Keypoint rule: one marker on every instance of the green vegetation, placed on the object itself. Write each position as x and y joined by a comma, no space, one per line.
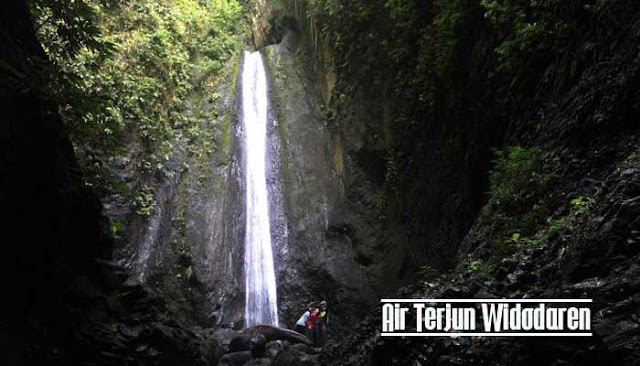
144,202
115,227
578,207
125,75
527,27
520,198
516,179
426,272
631,160
411,63
521,242
522,202
67,28
478,267
419,52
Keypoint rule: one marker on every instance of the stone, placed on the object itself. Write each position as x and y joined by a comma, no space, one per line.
235,358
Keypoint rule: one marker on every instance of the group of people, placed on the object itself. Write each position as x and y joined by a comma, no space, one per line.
314,323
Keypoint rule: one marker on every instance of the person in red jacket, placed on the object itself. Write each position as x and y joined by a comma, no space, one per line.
311,324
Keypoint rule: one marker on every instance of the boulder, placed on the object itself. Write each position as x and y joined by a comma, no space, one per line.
250,341
216,344
235,358
275,333
296,355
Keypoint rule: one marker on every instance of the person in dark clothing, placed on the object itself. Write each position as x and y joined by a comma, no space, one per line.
322,323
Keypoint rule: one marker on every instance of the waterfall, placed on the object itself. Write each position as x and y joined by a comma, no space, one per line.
261,306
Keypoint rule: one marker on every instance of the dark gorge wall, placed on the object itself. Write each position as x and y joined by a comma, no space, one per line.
420,101
408,177
56,223
64,300
415,99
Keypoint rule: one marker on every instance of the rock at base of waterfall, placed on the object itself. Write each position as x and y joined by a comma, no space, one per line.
235,358
297,355
275,333
250,341
261,344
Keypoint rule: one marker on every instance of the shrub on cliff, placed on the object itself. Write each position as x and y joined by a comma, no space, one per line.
516,179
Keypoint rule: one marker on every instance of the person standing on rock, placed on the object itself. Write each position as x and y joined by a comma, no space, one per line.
322,324
301,324
312,324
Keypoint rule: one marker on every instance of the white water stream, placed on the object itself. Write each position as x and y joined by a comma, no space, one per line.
261,304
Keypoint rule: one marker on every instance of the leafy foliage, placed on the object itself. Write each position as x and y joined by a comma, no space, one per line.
67,27
519,189
579,206
115,227
519,241
420,62
631,160
124,71
478,267
516,179
527,27
426,272
423,51
144,202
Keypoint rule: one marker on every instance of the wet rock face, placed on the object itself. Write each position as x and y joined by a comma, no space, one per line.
383,209
215,222
317,262
340,244
190,247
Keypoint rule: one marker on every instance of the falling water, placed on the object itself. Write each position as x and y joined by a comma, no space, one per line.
261,306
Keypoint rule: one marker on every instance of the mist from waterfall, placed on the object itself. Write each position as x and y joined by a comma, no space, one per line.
261,305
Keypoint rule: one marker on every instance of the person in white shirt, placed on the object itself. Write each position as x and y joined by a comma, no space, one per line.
301,324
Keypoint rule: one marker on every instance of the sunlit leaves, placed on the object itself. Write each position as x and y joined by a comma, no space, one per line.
123,70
